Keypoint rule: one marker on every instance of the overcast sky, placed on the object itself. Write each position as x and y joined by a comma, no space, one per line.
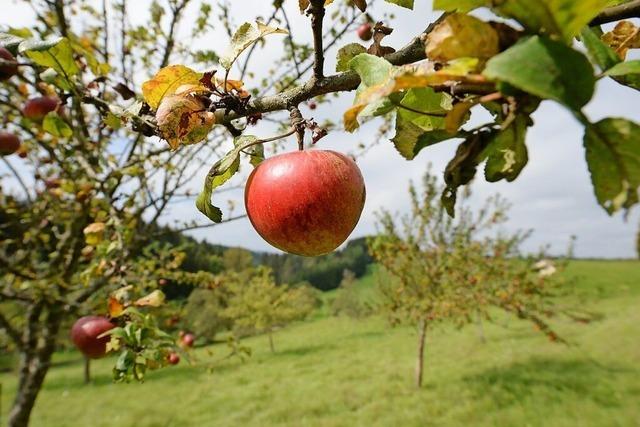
553,195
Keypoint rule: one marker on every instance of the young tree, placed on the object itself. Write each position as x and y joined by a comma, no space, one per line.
80,121
257,303
348,300
457,268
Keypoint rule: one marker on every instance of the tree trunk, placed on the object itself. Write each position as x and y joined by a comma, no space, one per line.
35,360
273,349
33,369
420,360
480,328
87,370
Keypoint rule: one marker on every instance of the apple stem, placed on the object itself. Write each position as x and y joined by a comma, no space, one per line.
298,125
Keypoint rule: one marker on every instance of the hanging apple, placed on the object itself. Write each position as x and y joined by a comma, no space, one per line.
85,334
9,143
305,202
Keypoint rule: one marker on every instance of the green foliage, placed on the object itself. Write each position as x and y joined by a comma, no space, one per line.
614,162
220,173
454,268
203,312
324,272
547,69
348,300
257,304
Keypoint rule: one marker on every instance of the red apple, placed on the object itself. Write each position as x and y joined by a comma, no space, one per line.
188,339
36,108
173,358
365,32
85,333
7,70
305,202
9,143
312,105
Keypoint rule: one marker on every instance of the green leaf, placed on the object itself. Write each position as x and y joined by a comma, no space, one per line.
371,69
244,37
458,5
403,3
624,68
256,154
220,173
420,121
613,156
557,18
626,73
547,69
55,53
346,54
56,126
507,153
10,41
601,54
462,168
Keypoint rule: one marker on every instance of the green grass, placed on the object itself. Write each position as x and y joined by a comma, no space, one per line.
342,372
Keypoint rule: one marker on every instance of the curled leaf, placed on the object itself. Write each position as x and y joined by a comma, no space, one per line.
183,119
220,173
244,37
623,37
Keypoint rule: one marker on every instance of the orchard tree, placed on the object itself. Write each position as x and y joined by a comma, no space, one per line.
457,269
256,303
79,127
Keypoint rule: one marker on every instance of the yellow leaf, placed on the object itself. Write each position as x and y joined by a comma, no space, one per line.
154,299
457,116
93,233
303,5
167,81
459,36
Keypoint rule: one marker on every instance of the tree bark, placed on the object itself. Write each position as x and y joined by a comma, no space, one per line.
420,360
480,326
34,365
273,349
87,370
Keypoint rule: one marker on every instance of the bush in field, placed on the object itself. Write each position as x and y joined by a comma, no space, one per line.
203,312
258,304
348,300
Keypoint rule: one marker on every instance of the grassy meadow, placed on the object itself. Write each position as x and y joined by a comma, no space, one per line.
336,371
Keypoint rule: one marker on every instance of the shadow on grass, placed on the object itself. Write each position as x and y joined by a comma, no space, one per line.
301,351
546,379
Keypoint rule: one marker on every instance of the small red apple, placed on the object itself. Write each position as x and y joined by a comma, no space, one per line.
173,358
162,282
9,143
36,108
188,339
7,70
312,105
365,32
305,202
85,333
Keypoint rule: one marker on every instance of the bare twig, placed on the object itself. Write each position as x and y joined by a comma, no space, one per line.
317,16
